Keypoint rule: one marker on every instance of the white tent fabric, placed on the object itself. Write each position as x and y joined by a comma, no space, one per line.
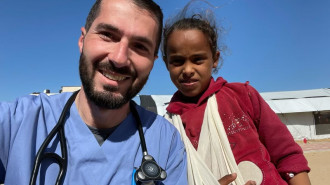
291,106
296,94
281,102
161,102
320,104
298,101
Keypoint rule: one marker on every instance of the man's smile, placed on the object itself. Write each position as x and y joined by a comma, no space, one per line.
114,76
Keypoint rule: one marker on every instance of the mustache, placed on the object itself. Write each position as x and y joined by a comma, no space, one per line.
109,66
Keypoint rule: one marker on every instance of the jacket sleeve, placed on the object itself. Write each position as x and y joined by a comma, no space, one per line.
285,153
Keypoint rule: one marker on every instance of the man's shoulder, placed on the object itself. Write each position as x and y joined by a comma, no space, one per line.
37,102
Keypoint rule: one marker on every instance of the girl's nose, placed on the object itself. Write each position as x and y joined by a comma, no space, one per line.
188,70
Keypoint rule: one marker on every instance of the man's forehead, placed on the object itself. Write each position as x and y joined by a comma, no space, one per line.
125,14
132,4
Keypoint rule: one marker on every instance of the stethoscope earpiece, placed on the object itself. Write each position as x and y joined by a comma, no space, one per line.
149,171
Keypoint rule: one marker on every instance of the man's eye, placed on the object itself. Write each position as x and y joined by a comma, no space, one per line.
108,36
141,48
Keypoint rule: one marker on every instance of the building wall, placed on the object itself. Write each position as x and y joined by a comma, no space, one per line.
301,125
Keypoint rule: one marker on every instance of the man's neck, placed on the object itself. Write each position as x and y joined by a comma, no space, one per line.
97,117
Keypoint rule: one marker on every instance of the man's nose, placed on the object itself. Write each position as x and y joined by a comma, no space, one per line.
119,55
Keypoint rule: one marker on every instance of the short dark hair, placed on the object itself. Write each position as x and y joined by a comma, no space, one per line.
204,23
148,5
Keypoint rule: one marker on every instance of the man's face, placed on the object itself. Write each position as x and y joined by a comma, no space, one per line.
117,53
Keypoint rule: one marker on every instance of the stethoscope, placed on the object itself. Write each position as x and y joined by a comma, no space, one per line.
149,171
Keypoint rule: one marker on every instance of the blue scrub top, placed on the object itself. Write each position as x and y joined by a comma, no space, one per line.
25,124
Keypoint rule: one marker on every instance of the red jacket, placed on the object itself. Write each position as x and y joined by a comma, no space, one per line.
254,131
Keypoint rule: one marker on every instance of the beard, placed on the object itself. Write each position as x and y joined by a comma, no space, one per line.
107,99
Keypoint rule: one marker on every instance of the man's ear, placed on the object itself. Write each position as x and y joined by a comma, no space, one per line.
155,57
81,39
216,59
154,60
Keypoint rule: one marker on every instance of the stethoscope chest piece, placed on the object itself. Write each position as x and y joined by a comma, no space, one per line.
149,170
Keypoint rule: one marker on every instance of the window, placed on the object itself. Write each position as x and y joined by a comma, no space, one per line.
322,122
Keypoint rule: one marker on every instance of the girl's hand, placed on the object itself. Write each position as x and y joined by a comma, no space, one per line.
230,178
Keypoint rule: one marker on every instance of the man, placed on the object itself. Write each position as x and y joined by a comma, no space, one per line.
118,47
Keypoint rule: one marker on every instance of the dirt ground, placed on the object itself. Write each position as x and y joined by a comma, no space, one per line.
319,162
317,153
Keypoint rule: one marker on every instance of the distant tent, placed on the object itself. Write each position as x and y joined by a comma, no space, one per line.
155,103
306,113
298,101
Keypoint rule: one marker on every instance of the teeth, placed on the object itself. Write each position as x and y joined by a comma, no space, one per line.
114,77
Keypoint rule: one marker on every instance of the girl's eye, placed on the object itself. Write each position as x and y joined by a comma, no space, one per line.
176,62
198,59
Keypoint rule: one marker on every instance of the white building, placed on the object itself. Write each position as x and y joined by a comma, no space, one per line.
306,113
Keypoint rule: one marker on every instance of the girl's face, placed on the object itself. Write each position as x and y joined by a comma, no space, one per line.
190,61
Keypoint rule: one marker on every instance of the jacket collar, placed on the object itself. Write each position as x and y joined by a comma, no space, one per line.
180,104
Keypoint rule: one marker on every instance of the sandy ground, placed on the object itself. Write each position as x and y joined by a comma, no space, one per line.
317,153
319,162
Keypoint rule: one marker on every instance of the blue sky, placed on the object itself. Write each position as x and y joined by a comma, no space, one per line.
277,45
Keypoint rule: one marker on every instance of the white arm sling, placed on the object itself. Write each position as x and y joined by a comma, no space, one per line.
214,157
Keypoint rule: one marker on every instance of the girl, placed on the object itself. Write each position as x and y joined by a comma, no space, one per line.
227,127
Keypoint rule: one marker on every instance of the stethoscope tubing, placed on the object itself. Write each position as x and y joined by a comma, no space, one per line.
139,127
61,161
